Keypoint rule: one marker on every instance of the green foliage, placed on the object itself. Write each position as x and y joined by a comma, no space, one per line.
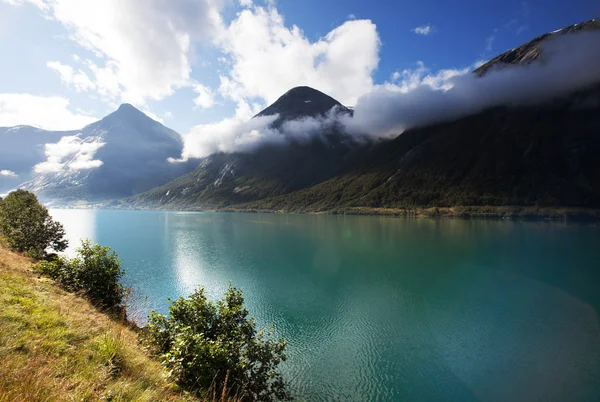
60,269
96,271
27,226
203,344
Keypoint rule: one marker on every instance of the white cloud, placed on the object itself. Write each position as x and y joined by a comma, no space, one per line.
351,16
408,80
70,153
205,96
39,3
423,30
236,134
268,58
242,133
144,46
8,173
50,113
69,76
245,3
570,62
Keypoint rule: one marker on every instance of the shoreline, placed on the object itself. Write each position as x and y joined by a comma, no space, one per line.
569,214
524,213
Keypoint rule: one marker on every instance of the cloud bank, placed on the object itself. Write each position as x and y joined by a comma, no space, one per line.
267,58
229,135
143,48
136,51
419,97
70,153
50,113
568,62
240,134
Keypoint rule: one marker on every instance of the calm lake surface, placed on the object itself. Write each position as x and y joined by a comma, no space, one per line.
384,309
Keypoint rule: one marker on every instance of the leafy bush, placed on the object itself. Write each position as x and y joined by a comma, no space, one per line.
58,268
203,344
27,226
96,271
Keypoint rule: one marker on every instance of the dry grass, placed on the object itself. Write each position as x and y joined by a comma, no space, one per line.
55,346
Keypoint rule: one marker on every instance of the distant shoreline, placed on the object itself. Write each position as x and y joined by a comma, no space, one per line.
524,213
462,212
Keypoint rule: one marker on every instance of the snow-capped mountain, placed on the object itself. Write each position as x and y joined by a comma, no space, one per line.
123,154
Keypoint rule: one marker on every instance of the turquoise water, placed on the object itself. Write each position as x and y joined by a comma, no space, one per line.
381,308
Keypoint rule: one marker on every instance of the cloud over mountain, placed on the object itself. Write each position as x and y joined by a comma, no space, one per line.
47,112
268,58
568,62
420,97
71,153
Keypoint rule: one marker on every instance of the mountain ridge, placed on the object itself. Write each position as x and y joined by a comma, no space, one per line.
535,156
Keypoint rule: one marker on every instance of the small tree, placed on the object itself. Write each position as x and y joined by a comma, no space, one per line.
208,345
95,271
98,271
27,226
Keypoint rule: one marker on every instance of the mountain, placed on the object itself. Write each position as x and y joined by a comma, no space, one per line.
123,154
21,148
532,50
536,155
545,155
302,102
222,179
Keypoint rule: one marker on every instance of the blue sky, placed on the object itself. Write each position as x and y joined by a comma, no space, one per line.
193,63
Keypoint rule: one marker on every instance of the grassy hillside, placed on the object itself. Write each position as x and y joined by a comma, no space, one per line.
55,346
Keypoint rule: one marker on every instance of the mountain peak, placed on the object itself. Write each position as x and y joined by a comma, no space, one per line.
303,91
532,50
128,107
127,112
301,102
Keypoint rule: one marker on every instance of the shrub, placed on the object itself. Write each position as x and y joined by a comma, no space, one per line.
27,226
96,271
59,268
203,344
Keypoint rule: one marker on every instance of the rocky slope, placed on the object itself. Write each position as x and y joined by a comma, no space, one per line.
532,50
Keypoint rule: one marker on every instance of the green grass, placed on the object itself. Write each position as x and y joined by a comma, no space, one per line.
56,346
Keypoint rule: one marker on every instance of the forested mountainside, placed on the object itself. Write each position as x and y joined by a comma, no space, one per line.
540,154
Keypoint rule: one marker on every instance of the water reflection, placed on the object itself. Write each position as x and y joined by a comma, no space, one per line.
79,224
